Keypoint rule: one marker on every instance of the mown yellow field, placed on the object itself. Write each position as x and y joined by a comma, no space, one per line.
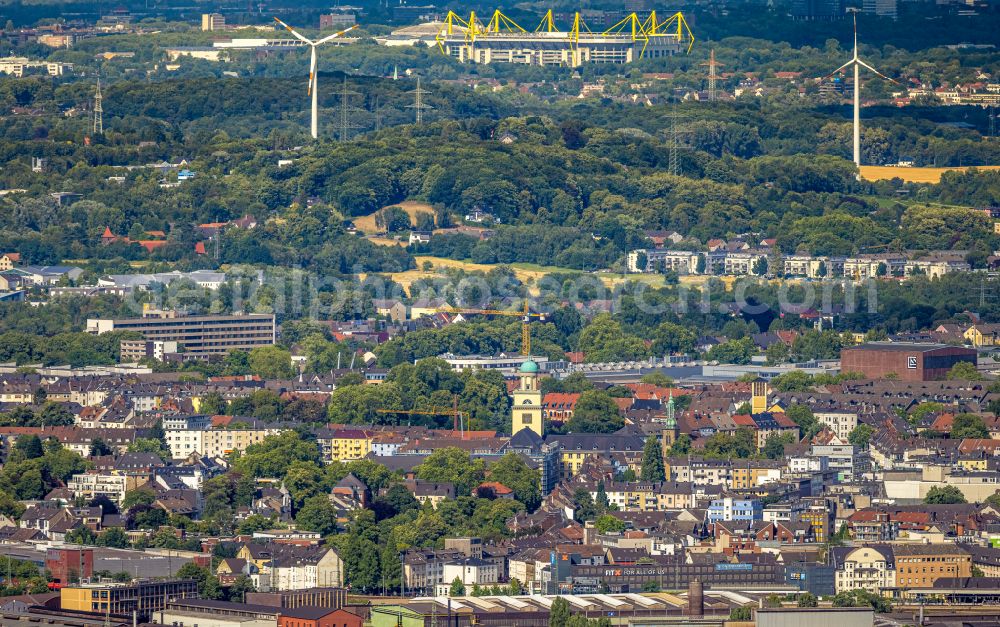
385,241
366,224
912,175
529,274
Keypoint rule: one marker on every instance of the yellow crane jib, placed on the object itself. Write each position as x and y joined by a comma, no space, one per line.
453,411
525,314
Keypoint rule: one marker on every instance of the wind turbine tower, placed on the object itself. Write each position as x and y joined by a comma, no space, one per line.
856,64
313,73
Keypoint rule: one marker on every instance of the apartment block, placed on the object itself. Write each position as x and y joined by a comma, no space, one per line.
196,336
93,484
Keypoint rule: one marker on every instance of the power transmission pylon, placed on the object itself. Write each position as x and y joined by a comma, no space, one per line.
346,122
98,110
986,293
674,140
713,76
377,111
418,102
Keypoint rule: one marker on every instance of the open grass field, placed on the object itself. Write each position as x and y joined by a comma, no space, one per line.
529,274
912,175
385,241
366,224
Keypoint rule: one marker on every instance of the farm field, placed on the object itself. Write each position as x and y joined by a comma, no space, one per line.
912,175
366,224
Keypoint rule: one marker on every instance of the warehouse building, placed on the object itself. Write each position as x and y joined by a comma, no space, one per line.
909,361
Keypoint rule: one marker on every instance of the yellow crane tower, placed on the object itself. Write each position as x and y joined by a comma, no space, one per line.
458,424
525,315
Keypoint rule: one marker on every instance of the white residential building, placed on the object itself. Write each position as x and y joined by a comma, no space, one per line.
840,423
866,568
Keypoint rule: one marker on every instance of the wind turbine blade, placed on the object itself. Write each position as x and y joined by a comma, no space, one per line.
843,67
335,35
312,71
292,31
855,34
876,72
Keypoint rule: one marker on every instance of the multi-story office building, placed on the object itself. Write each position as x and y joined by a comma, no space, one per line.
142,597
213,21
137,350
881,8
196,336
823,10
920,565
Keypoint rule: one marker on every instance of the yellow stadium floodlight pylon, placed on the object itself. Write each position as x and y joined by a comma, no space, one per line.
548,24
677,27
650,25
474,27
448,28
628,24
579,26
499,22
633,26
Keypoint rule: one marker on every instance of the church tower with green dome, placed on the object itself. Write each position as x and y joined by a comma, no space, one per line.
670,431
526,410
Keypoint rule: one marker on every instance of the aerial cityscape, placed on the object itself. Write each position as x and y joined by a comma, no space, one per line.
427,313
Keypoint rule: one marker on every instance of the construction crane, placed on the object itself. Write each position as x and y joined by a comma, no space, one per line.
458,424
525,315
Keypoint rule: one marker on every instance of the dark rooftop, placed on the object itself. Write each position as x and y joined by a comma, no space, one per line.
903,347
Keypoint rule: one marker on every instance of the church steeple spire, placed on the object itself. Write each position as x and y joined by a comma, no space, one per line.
671,412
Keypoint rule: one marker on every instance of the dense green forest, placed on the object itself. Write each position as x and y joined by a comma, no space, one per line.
576,183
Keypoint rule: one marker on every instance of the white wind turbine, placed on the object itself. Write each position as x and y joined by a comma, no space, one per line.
313,74
857,64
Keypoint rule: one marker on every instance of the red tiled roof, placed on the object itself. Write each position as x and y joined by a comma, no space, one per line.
864,515
783,420
560,400
919,518
649,390
624,404
575,357
744,420
943,423
151,244
497,487
970,445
